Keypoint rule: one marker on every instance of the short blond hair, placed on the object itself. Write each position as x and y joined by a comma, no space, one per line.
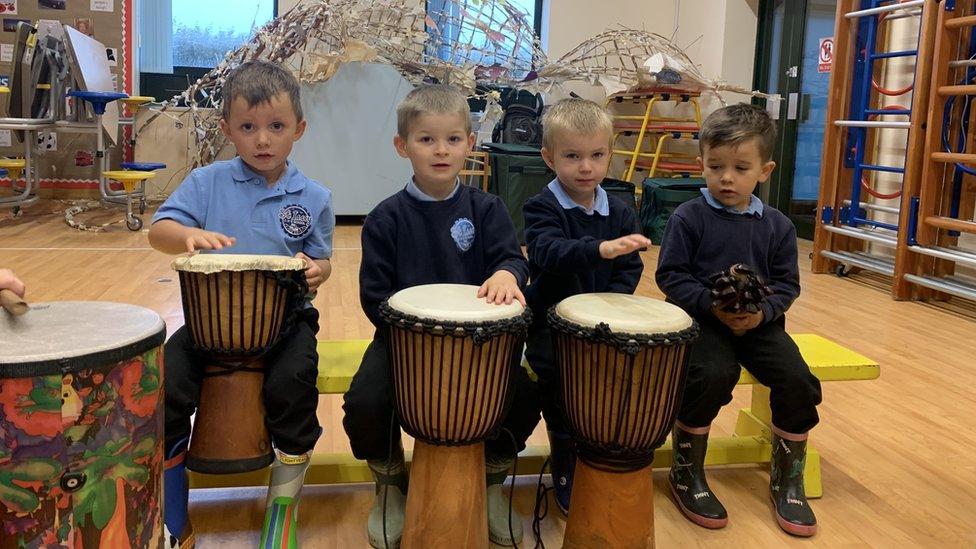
576,115
432,99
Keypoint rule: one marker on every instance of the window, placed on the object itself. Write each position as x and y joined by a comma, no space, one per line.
171,57
203,32
481,28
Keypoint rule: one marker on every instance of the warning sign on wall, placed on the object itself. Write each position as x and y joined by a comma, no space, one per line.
826,54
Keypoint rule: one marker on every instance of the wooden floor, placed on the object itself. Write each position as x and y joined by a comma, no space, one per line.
898,453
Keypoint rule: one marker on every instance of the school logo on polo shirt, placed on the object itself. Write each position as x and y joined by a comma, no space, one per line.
463,233
295,220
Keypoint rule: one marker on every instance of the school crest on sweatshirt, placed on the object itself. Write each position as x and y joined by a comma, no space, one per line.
463,233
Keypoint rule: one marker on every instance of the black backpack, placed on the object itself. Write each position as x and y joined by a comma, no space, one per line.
522,122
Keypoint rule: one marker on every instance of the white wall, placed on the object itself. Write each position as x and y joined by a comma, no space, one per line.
719,35
285,5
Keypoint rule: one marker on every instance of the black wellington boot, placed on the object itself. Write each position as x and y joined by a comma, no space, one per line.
793,512
562,463
687,478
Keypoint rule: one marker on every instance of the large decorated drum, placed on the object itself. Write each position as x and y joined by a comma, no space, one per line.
81,426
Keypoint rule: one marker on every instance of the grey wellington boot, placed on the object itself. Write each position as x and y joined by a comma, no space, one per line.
385,525
501,531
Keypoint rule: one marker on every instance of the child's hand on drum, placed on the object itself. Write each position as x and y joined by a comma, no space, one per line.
316,271
199,239
610,249
739,323
9,281
501,288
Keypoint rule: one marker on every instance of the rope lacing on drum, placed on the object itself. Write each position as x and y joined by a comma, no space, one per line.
239,360
631,344
479,332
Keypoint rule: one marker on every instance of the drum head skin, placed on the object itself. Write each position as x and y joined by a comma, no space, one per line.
624,313
451,303
215,263
76,334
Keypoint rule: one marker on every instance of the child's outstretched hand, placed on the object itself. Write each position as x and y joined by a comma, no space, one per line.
739,323
199,239
501,287
314,275
610,249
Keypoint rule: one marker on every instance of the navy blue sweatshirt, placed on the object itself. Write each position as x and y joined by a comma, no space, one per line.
700,240
564,252
462,240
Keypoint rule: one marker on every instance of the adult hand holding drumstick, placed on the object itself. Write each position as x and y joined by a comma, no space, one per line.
12,292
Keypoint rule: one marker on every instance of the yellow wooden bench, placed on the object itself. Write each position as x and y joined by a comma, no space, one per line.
339,360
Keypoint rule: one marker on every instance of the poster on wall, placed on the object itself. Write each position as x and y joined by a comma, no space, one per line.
5,139
51,4
8,7
10,23
85,26
6,53
103,5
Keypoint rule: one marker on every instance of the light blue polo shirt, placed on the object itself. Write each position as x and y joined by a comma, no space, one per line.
601,203
755,206
295,215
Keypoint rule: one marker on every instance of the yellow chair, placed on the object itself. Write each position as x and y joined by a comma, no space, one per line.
132,181
14,167
137,100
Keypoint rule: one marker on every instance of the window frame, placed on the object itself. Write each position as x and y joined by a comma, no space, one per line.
158,84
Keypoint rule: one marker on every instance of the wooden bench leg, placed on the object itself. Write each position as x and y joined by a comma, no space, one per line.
756,422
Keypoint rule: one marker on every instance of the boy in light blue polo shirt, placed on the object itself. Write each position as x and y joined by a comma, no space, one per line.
257,203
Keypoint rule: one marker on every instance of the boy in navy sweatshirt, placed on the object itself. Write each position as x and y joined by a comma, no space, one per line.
433,231
580,240
729,225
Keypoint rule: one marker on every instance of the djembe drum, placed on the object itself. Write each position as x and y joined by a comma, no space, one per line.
81,421
452,357
236,308
622,363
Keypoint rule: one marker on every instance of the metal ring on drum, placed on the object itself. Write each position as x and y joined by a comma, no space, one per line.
236,309
622,363
452,356
81,420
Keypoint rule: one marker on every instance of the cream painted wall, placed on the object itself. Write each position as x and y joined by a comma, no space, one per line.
285,5
719,35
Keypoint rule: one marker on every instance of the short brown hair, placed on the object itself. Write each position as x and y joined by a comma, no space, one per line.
432,99
581,116
258,82
736,124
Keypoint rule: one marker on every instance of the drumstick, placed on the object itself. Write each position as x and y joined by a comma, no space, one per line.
13,303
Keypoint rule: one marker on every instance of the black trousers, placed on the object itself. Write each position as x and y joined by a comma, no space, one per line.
769,354
541,357
369,409
290,395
